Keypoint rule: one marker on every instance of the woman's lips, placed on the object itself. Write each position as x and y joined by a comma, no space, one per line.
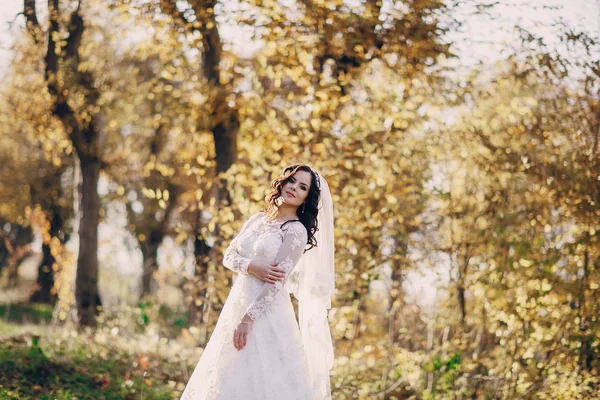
291,194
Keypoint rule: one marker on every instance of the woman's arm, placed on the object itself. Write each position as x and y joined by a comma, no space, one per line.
231,258
292,248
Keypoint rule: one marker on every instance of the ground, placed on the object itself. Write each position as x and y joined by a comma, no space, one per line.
38,361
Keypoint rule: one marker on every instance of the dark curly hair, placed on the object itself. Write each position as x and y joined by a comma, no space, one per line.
307,214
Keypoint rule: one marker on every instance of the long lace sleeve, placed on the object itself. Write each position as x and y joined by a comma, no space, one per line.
292,248
232,258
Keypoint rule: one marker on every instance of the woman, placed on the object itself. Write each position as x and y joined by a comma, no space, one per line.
257,350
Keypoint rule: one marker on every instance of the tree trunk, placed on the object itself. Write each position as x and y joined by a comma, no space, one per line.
155,237
17,245
225,119
87,137
44,292
86,283
150,255
20,254
396,291
202,250
462,302
585,352
224,122
462,278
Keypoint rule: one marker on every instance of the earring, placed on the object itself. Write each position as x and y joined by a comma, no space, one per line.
303,207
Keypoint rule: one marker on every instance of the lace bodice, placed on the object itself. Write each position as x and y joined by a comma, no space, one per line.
269,242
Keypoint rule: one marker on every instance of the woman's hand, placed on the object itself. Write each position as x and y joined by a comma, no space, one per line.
240,335
267,272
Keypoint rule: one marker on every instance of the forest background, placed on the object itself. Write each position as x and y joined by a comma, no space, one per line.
459,139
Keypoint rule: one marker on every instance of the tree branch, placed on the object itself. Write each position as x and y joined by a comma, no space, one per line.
30,12
61,108
170,8
51,59
596,134
31,21
75,33
211,40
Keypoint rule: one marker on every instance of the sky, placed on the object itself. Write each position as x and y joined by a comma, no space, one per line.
487,37
482,39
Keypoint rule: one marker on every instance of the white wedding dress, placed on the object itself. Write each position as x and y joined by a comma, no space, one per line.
272,365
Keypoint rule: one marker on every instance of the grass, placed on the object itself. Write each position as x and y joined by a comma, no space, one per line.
27,371
17,319
110,362
23,313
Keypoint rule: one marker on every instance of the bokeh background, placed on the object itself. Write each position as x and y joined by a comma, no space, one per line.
459,139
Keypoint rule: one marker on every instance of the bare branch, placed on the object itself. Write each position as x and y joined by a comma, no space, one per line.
10,23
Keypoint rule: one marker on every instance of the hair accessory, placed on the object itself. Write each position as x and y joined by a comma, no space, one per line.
318,178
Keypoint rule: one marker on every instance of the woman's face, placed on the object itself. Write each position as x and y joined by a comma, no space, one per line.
295,190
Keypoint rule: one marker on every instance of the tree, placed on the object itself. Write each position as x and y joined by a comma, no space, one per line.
75,101
34,173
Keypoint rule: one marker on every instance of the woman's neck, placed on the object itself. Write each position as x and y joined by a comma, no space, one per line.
285,212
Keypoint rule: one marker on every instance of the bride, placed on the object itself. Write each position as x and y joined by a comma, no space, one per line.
258,351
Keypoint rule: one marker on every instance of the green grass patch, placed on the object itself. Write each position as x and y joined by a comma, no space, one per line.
26,313
63,371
